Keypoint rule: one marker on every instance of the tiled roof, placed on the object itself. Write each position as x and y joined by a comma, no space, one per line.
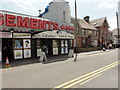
98,22
115,31
85,25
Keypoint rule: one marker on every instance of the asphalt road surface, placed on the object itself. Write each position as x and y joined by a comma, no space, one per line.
92,70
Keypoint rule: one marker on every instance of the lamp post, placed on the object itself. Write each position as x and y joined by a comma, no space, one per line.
118,27
75,33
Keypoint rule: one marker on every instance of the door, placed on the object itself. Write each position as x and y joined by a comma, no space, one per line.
7,49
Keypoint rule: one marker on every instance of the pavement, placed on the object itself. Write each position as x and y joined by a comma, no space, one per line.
51,59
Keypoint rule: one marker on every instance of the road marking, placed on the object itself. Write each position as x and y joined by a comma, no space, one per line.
90,79
86,78
64,84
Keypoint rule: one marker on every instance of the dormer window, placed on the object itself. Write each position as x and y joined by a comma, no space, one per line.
94,24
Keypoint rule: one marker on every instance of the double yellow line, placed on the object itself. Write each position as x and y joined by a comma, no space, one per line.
85,77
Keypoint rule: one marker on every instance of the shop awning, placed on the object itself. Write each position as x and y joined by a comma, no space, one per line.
56,34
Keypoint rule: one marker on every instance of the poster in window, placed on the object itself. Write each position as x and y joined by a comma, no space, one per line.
27,43
55,51
27,53
18,44
62,51
66,50
62,42
38,52
66,43
18,54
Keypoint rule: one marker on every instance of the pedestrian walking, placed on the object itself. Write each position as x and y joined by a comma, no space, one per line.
103,47
110,46
43,54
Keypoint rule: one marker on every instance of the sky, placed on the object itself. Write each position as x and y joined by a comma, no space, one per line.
93,8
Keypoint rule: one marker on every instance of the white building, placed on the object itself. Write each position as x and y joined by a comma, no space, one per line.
58,10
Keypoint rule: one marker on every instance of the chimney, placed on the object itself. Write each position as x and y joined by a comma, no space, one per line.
39,12
86,18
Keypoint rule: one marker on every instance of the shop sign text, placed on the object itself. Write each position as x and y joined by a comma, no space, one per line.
30,22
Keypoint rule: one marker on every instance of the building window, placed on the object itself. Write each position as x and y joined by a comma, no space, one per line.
111,34
96,33
90,32
64,15
83,31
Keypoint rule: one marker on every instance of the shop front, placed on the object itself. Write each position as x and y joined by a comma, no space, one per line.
22,45
55,42
24,36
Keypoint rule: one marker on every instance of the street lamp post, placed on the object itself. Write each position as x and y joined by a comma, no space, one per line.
75,33
118,27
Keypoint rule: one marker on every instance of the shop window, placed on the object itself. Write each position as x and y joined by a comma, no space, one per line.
84,43
96,33
55,47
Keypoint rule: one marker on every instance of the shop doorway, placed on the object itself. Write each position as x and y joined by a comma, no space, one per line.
48,44
7,49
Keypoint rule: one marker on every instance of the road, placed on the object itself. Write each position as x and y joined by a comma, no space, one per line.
92,70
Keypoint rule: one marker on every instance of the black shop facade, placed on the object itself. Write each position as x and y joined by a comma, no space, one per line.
24,36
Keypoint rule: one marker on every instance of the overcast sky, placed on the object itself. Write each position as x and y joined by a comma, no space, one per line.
93,8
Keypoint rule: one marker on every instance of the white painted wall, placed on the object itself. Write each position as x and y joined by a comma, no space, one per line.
56,11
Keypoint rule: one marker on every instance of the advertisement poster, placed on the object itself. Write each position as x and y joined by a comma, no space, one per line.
17,44
66,50
38,52
62,51
62,42
27,53
55,51
18,54
66,43
27,43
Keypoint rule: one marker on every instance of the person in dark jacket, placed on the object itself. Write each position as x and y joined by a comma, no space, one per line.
103,47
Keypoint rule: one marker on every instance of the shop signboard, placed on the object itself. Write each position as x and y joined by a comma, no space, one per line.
5,35
54,34
27,53
27,22
22,35
18,54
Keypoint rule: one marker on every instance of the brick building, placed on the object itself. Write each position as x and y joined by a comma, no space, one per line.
87,35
